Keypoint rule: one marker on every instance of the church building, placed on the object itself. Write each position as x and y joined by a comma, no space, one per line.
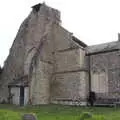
48,64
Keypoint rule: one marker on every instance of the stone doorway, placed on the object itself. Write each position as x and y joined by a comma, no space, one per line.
19,91
21,95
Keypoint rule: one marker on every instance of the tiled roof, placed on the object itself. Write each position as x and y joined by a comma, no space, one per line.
103,47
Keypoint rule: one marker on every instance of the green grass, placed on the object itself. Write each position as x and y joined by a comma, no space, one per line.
59,112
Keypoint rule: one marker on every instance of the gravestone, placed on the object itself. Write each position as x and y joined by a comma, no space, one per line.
29,117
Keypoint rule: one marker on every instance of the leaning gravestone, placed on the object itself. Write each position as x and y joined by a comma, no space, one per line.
29,117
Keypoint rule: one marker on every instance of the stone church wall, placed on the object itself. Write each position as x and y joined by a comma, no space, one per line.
45,52
70,60
42,61
33,43
70,87
69,84
105,71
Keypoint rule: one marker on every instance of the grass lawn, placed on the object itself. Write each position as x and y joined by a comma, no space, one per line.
59,112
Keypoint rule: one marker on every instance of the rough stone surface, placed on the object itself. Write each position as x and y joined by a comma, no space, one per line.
13,66
68,60
59,67
109,64
15,91
70,86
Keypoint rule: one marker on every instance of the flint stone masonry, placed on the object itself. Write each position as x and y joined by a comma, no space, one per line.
59,67
70,86
70,60
109,63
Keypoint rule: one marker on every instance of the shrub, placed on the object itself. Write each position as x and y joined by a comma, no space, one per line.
85,116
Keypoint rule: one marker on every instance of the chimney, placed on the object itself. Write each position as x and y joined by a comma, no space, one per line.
118,36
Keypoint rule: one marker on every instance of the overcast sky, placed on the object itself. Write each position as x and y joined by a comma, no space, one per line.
92,21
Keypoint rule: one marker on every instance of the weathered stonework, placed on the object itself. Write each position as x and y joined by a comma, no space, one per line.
105,68
47,64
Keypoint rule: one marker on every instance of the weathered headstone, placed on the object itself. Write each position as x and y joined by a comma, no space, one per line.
29,117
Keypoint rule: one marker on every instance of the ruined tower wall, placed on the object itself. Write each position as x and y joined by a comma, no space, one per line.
41,72
46,53
42,61
39,33
13,66
57,56
33,43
